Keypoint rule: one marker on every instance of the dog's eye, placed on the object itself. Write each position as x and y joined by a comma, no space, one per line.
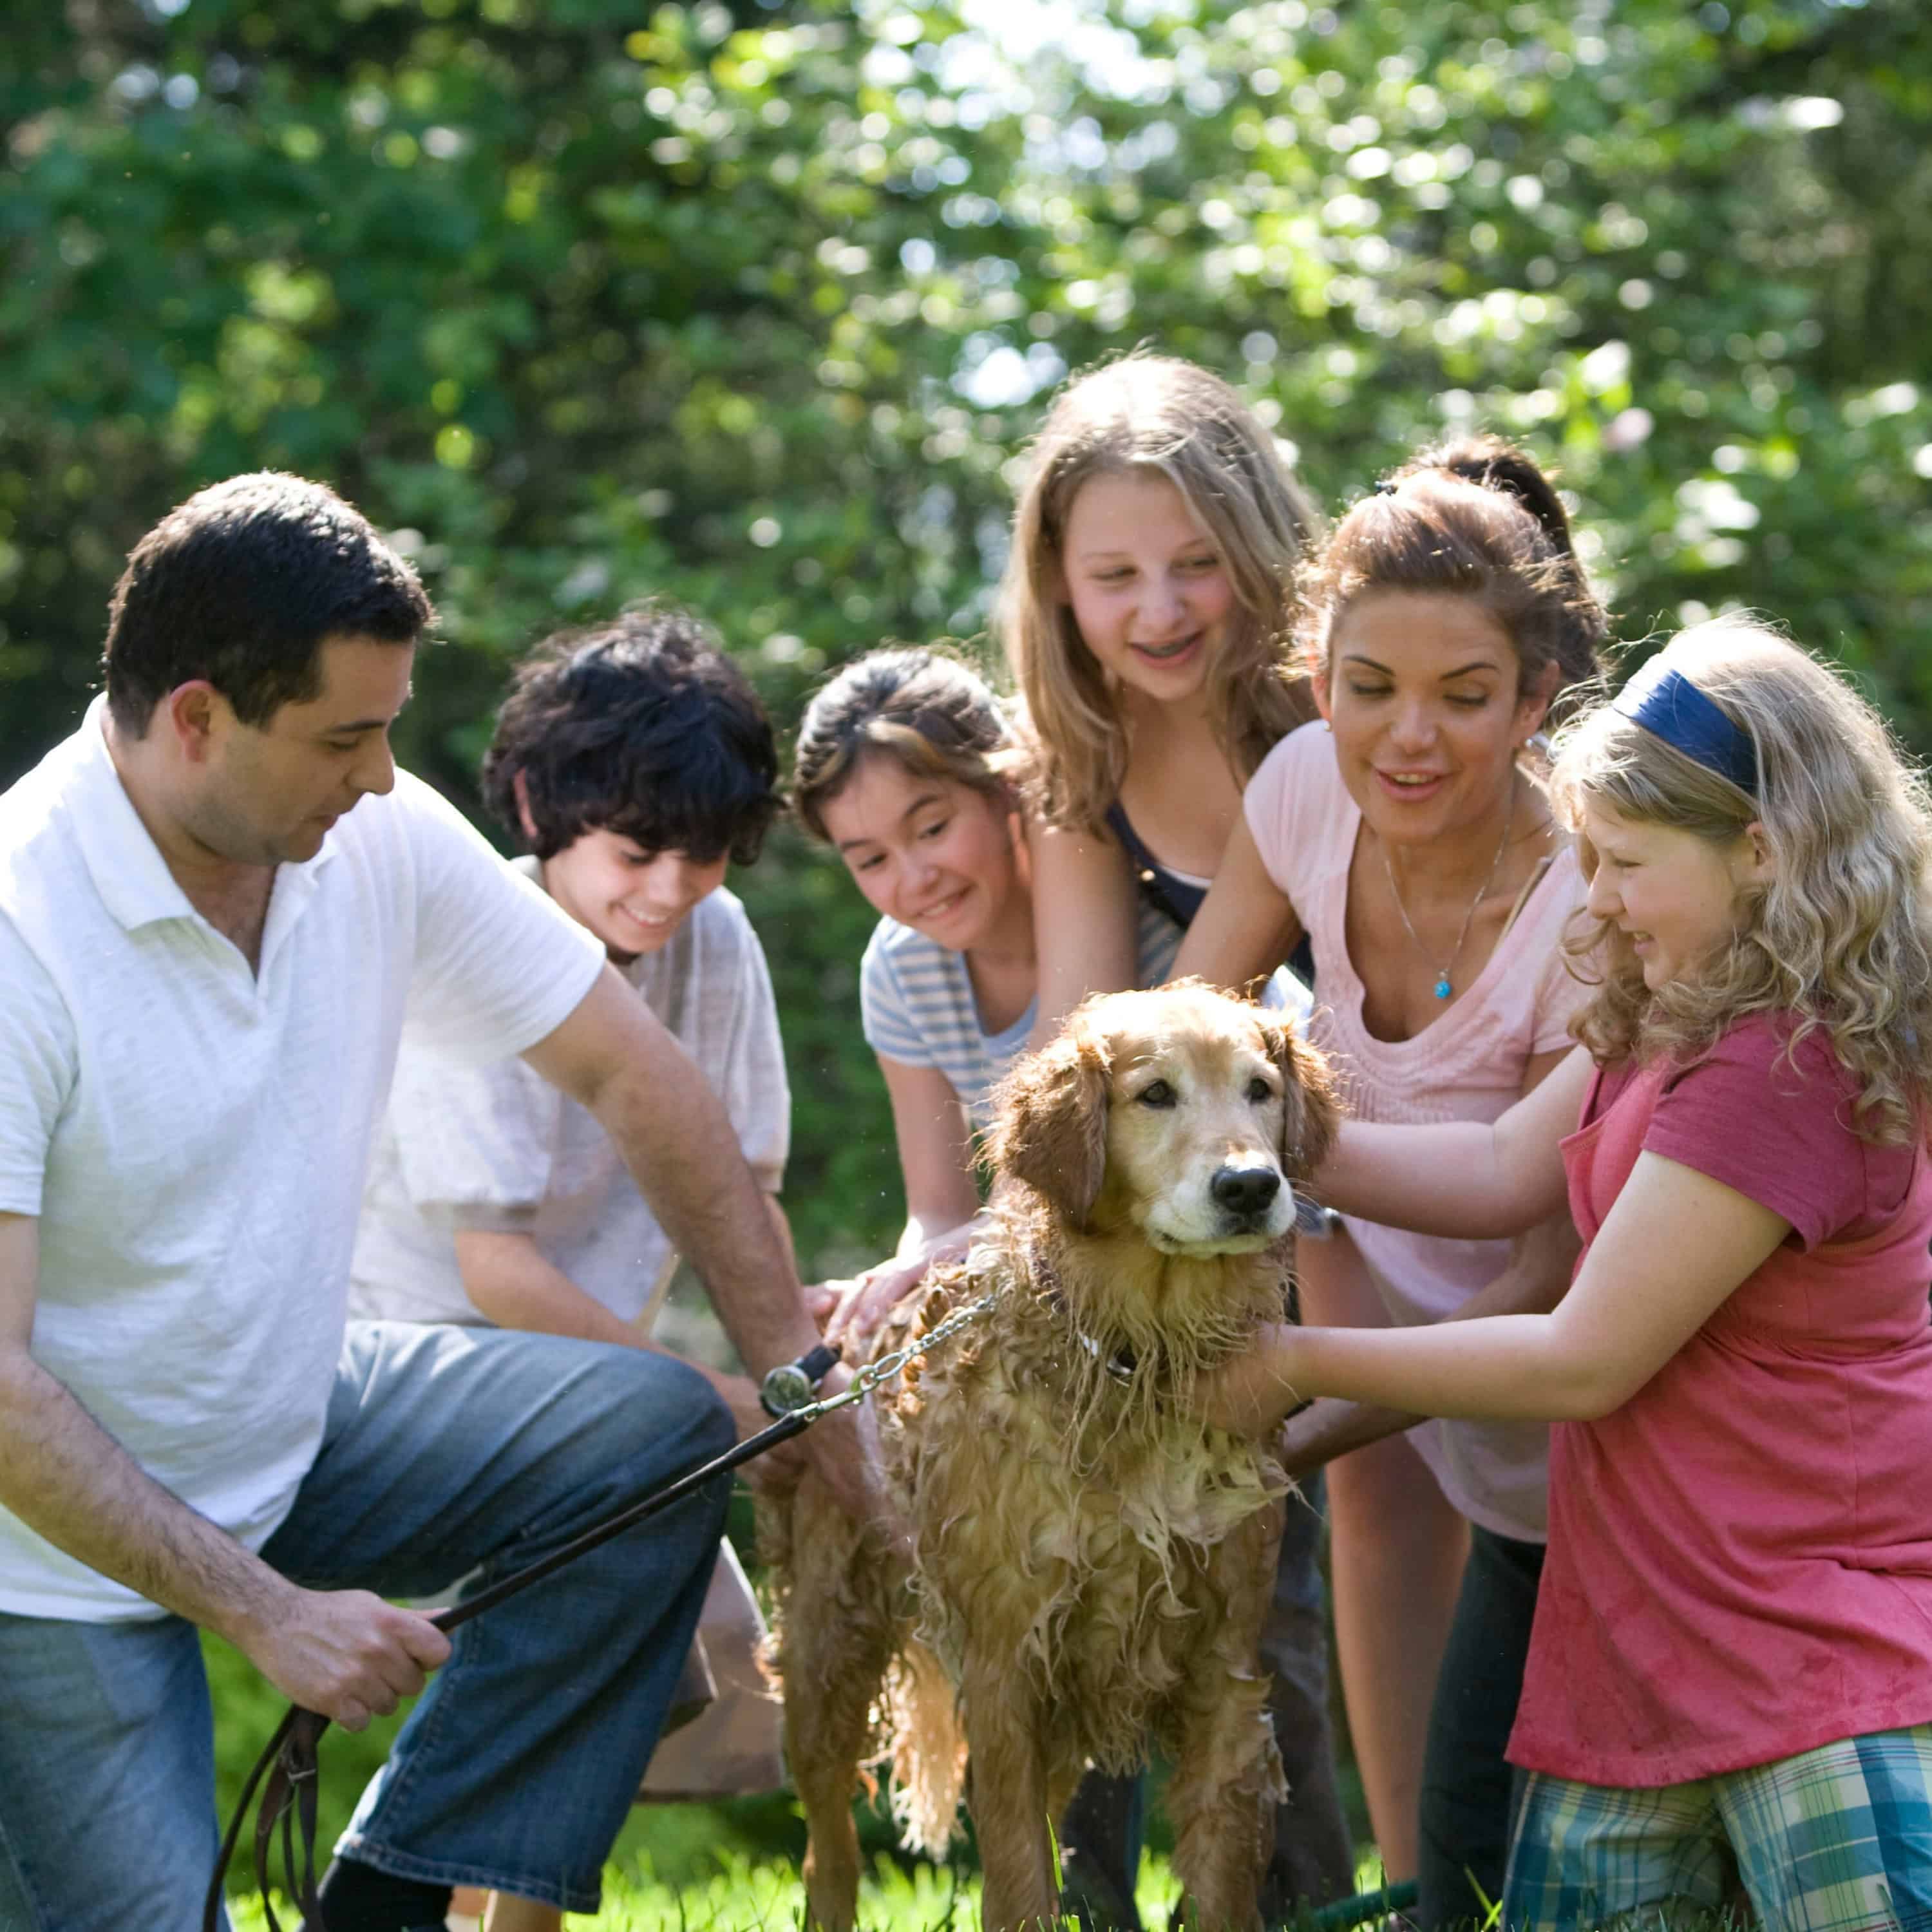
1157,1094
1259,1091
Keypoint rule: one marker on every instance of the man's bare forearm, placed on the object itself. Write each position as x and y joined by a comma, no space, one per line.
615,1057
680,1145
63,1475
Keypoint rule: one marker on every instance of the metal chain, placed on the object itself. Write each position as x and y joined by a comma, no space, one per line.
289,1764
868,1378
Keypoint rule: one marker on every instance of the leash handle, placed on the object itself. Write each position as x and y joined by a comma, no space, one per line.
287,1771
289,1792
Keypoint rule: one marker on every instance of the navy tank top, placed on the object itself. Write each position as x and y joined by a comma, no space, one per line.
1180,899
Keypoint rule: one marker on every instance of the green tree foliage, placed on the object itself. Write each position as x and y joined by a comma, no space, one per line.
753,306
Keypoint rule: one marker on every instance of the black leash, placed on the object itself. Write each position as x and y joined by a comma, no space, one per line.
289,1762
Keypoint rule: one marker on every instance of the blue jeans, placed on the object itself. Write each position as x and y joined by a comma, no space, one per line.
448,1451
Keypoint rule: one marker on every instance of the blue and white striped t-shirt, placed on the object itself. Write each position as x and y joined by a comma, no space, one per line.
916,999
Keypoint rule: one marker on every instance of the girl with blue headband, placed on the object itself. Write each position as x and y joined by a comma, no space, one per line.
1730,1680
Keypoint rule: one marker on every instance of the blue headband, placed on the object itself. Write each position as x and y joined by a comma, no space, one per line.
1669,706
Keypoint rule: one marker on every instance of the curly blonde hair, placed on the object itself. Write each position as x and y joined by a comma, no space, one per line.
1172,418
1839,935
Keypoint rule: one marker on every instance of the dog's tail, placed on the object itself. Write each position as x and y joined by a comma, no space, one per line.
928,1750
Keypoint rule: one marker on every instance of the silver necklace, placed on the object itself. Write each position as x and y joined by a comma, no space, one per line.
1443,988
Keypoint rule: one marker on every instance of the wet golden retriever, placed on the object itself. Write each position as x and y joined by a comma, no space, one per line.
1090,1565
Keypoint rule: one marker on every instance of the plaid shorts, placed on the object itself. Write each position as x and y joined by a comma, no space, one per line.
1835,1840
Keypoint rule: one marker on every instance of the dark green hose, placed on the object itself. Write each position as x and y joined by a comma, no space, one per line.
1365,1905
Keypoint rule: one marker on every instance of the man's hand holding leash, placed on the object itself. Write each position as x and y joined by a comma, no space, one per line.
345,1653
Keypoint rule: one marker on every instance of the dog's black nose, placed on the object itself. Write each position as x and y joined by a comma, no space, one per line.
1245,1190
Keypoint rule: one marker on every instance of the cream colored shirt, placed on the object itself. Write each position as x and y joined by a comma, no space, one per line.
497,1148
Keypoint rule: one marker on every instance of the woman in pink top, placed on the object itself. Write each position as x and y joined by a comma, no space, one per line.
1443,617
1730,1679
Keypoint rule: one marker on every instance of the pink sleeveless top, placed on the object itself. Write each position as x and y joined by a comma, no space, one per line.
1740,1563
1468,1065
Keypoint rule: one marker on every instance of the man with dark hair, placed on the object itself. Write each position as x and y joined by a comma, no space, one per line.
238,586
635,761
211,926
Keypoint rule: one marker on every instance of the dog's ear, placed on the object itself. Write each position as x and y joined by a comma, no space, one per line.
1312,1110
1050,1130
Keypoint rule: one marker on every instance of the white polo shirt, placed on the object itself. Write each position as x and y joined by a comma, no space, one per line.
193,1136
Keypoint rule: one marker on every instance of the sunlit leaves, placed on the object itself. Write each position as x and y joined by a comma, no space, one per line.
755,305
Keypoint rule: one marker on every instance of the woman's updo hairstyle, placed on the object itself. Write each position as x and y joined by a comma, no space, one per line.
931,715
1474,517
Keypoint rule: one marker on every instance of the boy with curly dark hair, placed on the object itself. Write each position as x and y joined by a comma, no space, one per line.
635,762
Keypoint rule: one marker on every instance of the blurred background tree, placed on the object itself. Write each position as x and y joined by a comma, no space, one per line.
753,306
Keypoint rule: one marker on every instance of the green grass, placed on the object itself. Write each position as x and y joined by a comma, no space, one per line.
725,1868
742,1894
745,1896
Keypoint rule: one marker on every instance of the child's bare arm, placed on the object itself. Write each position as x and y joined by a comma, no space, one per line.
1245,927
935,1149
1675,1245
936,1160
1533,1283
1084,917
1462,1179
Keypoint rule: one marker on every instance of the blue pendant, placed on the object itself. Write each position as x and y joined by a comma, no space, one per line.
1443,989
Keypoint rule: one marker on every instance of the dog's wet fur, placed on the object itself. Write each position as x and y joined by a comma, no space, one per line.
1091,1566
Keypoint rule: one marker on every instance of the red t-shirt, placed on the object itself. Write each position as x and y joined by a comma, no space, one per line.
1740,1562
